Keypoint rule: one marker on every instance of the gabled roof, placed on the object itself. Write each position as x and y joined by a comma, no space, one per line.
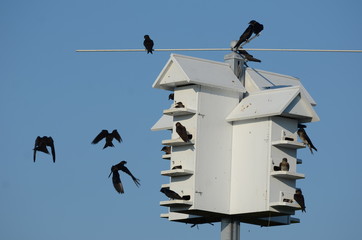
183,70
260,80
287,101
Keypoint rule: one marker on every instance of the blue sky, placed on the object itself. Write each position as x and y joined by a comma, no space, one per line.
46,88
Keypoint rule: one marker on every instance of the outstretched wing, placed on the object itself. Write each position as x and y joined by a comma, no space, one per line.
35,145
116,135
50,143
135,180
116,179
100,136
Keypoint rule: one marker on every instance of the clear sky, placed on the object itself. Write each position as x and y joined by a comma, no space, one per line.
46,88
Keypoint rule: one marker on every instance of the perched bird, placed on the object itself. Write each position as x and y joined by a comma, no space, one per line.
305,139
173,195
166,149
116,178
171,96
179,105
284,165
254,27
108,136
299,198
248,56
148,43
41,144
182,132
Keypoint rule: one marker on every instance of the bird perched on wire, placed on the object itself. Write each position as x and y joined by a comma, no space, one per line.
148,43
41,144
109,138
173,195
182,132
305,138
299,198
116,179
254,27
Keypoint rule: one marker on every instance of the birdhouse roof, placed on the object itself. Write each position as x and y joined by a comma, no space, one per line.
259,80
287,101
183,70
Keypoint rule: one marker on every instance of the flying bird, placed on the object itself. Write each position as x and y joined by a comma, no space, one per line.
148,43
254,27
116,178
166,149
182,132
41,144
305,139
284,165
173,195
108,136
299,198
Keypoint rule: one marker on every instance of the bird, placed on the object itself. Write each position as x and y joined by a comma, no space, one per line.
179,105
108,136
305,139
148,43
116,179
284,165
182,132
248,56
173,195
171,96
299,198
166,149
254,27
41,144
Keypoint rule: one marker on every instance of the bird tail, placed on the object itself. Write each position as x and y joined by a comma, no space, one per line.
110,144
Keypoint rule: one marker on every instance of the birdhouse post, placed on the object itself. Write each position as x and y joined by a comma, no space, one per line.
241,123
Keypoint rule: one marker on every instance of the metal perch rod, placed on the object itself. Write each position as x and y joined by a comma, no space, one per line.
221,49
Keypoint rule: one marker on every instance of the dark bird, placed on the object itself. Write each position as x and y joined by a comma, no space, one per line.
41,144
116,178
166,149
148,43
173,195
299,198
248,56
254,27
305,139
182,132
109,138
171,96
179,105
284,165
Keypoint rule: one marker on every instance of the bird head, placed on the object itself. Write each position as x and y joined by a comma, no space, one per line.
146,36
123,162
252,22
178,124
285,160
298,191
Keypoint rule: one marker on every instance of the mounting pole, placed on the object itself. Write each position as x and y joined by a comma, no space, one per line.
230,229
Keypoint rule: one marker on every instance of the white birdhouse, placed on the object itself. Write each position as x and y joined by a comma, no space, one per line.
240,129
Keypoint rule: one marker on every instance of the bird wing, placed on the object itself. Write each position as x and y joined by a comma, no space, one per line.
116,135
35,145
300,200
50,143
126,170
100,136
182,132
116,179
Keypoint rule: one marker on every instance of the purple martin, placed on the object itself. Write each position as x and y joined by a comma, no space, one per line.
299,198
254,27
116,178
257,27
171,96
305,139
173,195
248,56
284,165
166,149
108,136
179,105
41,144
148,43
182,132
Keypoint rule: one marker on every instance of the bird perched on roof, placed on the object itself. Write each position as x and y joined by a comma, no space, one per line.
299,198
182,132
41,144
305,138
173,195
148,43
254,27
116,179
108,136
